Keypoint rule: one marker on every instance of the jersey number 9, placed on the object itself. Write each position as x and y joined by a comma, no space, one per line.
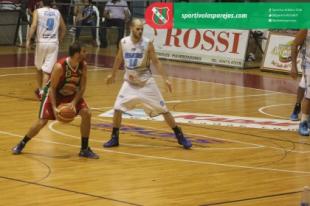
50,24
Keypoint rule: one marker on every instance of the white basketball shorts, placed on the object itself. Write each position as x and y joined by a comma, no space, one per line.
306,82
302,82
46,56
147,97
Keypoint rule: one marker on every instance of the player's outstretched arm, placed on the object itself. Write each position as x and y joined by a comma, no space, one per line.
298,41
159,66
117,63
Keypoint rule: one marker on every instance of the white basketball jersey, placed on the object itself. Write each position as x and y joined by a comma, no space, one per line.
306,52
136,59
48,25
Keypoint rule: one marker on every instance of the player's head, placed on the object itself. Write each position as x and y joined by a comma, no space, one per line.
48,2
136,28
77,51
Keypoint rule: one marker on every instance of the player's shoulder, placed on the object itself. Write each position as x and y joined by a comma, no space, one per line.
61,63
58,68
62,60
146,40
56,11
38,11
125,39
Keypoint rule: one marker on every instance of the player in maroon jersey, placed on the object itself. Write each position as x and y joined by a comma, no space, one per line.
67,85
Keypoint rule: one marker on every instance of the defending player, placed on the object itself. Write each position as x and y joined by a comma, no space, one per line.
139,86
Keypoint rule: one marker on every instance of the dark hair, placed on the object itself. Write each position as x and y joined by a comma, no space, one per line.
75,48
47,2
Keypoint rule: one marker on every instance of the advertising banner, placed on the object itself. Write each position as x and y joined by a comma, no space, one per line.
211,46
278,53
258,15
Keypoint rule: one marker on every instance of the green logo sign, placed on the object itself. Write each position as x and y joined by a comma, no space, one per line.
242,15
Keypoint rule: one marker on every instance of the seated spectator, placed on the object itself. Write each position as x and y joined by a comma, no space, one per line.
116,13
88,18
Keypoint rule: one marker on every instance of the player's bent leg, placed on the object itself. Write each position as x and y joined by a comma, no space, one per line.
45,79
86,151
36,127
304,125
38,92
303,129
295,113
117,120
33,131
85,114
297,107
182,140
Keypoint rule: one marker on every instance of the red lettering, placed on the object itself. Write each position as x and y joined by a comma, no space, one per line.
223,41
235,43
196,40
208,39
169,36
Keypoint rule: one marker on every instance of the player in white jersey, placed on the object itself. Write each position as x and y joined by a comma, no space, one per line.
303,38
139,87
49,27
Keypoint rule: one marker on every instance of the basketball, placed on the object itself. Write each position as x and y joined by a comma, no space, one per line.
66,113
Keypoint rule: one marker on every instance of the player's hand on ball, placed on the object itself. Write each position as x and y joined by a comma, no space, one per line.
56,112
169,85
110,79
67,112
71,105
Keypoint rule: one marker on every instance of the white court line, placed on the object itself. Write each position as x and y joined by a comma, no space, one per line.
17,74
98,69
194,80
33,73
221,98
51,127
17,67
172,159
261,110
256,146
100,108
198,135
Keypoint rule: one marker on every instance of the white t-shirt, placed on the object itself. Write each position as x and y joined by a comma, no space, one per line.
48,25
116,10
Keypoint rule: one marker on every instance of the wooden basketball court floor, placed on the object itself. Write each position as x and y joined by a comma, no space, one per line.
251,163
